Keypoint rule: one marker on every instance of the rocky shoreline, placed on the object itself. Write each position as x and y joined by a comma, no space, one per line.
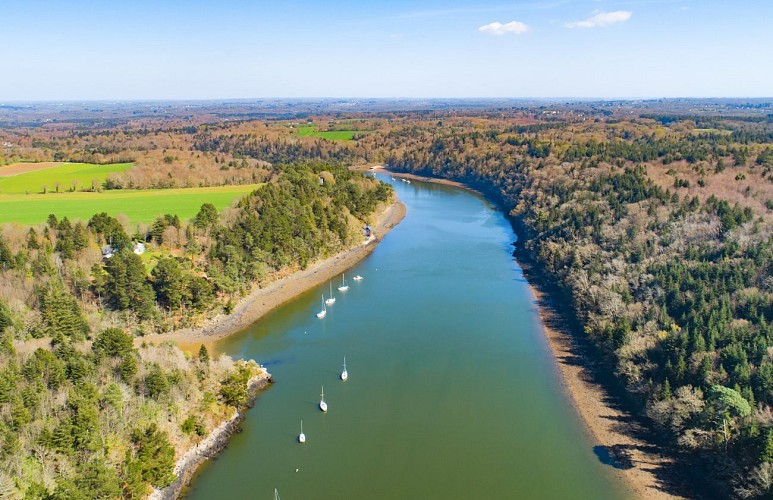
210,446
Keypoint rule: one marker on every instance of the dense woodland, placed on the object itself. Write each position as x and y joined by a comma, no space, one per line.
83,414
663,239
657,223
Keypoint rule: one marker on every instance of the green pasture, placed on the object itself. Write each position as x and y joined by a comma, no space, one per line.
83,174
138,206
333,135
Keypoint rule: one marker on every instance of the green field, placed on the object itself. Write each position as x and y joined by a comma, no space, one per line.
333,135
139,206
65,174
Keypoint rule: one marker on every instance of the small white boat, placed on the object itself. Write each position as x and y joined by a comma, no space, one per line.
322,404
358,278
323,312
394,179
344,287
344,374
407,181
276,494
301,436
331,300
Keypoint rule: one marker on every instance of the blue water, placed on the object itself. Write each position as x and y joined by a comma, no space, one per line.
452,390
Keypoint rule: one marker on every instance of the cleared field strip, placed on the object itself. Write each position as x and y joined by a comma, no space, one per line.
21,178
138,206
333,135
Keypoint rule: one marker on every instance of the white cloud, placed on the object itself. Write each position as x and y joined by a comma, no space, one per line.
602,19
497,28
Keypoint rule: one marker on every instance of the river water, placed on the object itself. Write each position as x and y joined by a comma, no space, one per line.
452,390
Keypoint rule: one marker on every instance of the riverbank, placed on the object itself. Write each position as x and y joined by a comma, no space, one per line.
620,440
188,464
284,288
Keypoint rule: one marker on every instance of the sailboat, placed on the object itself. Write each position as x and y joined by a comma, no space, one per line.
301,436
323,312
322,404
344,374
332,300
344,287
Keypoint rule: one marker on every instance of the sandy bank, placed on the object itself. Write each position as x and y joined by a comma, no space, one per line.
262,300
210,446
620,440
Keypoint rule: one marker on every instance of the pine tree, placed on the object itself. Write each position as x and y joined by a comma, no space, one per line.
60,311
127,284
203,354
154,456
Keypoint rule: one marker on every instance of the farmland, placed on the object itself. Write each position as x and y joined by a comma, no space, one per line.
138,206
333,135
52,177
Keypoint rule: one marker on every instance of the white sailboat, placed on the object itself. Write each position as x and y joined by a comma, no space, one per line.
358,278
323,312
330,300
344,287
344,374
301,436
322,404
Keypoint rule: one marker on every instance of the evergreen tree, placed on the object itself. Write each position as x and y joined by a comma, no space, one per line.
112,342
206,217
203,354
127,286
153,456
170,283
60,311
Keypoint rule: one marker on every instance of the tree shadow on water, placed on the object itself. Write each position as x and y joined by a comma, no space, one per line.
674,473
614,456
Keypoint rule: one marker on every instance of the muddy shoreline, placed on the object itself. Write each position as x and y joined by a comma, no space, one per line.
284,288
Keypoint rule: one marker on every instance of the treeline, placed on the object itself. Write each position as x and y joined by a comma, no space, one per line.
59,281
273,150
677,289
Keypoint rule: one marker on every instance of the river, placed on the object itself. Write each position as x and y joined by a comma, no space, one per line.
452,392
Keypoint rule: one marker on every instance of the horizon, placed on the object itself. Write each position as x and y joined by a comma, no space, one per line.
562,100
240,50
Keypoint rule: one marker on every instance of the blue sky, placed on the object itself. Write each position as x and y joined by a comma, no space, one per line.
158,49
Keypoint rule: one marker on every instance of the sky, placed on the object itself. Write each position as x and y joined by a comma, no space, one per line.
228,49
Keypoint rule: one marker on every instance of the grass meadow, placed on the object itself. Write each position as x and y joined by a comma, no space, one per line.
333,135
66,175
138,206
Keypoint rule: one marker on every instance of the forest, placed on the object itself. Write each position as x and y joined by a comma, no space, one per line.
86,414
663,241
654,220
